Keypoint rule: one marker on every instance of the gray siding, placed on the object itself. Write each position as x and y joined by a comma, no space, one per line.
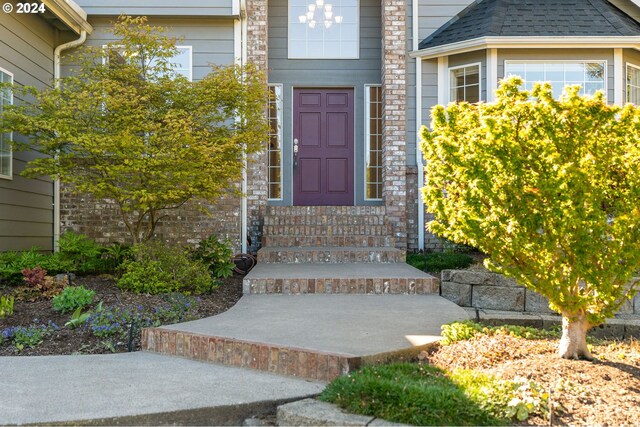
432,14
157,7
560,55
329,73
26,205
211,39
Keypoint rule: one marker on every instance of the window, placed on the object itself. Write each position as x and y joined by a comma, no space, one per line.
590,75
181,63
633,84
373,142
323,29
464,83
6,155
274,150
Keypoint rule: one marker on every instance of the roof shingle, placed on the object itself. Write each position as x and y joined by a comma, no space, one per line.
533,18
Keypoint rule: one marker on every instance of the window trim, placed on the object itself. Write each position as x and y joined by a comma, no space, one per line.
457,67
105,58
10,175
605,62
367,137
279,91
626,79
289,40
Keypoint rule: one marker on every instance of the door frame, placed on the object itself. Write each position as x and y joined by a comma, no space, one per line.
355,141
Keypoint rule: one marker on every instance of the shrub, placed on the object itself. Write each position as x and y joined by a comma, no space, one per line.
13,263
438,261
216,255
84,254
72,298
38,285
158,268
6,306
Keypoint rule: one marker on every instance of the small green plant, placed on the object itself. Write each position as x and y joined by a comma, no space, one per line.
467,329
38,285
6,306
27,336
115,255
216,255
438,261
158,268
77,318
82,252
175,308
73,298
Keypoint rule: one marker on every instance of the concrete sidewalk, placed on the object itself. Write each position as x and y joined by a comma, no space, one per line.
138,388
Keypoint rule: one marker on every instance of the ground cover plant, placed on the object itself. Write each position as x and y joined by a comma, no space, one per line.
499,375
549,190
434,262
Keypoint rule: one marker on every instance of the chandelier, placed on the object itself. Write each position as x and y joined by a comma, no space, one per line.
319,12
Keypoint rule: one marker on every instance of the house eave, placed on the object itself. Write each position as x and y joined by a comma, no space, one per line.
632,42
70,14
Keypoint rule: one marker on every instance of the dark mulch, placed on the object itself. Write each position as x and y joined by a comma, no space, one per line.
80,340
603,392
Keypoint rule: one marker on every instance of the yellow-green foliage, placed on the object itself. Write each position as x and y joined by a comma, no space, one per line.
130,130
550,189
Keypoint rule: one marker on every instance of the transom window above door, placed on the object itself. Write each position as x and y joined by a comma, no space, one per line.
590,75
323,29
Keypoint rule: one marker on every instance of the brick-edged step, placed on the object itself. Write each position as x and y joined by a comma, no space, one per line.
329,255
283,360
326,230
318,211
348,278
324,240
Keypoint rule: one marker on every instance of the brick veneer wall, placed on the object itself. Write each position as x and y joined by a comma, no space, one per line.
101,220
412,208
394,94
257,53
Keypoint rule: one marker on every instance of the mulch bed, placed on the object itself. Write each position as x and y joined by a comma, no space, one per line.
80,340
603,392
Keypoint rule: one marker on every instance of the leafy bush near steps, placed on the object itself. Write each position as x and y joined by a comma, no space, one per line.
216,255
72,298
438,261
158,268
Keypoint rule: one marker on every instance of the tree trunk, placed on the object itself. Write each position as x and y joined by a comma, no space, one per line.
573,344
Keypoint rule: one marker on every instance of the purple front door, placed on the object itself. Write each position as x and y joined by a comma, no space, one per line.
323,134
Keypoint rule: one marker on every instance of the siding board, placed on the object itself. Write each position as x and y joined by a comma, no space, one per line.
157,7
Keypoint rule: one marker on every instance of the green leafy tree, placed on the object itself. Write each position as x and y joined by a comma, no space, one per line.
549,189
126,128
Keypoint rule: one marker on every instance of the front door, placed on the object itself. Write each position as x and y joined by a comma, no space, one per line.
323,134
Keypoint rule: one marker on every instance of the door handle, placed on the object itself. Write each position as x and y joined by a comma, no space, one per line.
295,152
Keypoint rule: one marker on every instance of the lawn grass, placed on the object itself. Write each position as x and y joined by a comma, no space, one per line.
419,394
437,261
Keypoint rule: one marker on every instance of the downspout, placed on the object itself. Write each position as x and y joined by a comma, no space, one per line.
56,183
415,46
243,59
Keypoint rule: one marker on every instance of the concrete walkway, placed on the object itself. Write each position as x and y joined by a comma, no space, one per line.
138,388
358,325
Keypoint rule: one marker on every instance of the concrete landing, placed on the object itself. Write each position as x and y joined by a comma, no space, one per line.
299,334
138,388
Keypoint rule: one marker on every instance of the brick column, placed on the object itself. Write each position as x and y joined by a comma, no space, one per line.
394,148
257,53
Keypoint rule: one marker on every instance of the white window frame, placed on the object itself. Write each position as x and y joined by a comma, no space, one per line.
10,175
605,77
105,58
289,40
279,90
626,78
472,64
367,136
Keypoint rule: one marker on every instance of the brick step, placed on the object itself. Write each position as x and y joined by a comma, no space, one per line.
278,359
325,230
336,211
324,220
365,241
348,278
329,255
